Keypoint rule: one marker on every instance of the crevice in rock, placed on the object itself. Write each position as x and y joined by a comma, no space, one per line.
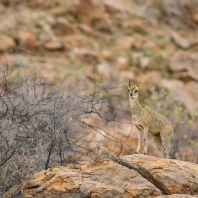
144,173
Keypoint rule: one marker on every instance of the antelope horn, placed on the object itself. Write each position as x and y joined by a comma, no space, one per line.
129,83
139,84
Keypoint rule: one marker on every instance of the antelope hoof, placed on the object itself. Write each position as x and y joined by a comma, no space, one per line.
136,152
145,153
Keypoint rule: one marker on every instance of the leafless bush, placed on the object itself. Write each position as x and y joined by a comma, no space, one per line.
41,125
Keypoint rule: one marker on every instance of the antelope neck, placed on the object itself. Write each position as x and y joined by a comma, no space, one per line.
135,105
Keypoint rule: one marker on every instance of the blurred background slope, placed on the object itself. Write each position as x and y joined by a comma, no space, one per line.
154,41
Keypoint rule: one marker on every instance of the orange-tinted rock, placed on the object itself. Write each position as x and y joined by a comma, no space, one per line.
151,77
84,55
75,40
28,40
171,176
136,26
96,179
133,175
127,74
124,43
63,27
6,43
87,30
54,45
106,55
89,11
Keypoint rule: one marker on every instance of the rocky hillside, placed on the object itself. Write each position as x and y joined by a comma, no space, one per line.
134,176
92,45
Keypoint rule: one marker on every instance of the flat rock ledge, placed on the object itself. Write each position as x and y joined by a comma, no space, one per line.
126,177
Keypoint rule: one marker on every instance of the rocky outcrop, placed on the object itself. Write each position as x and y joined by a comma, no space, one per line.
129,176
170,176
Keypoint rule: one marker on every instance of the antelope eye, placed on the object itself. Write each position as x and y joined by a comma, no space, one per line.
128,90
135,91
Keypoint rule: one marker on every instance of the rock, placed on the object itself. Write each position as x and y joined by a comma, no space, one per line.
90,12
184,64
87,30
114,7
106,55
7,43
185,76
151,45
127,74
185,99
144,62
133,175
124,43
63,27
171,84
180,12
181,41
178,94
54,45
136,56
150,77
76,40
2,8
104,69
136,26
28,40
170,176
179,62
47,34
122,62
96,179
84,55
179,8
195,17
192,88
176,196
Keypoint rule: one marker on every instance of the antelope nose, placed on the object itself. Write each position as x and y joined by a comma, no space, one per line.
131,94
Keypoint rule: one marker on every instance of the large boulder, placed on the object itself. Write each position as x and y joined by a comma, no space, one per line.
170,176
132,176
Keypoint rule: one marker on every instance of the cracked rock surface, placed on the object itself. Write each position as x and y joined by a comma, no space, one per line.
170,176
156,177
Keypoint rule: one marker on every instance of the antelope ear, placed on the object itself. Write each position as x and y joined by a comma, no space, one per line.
138,84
